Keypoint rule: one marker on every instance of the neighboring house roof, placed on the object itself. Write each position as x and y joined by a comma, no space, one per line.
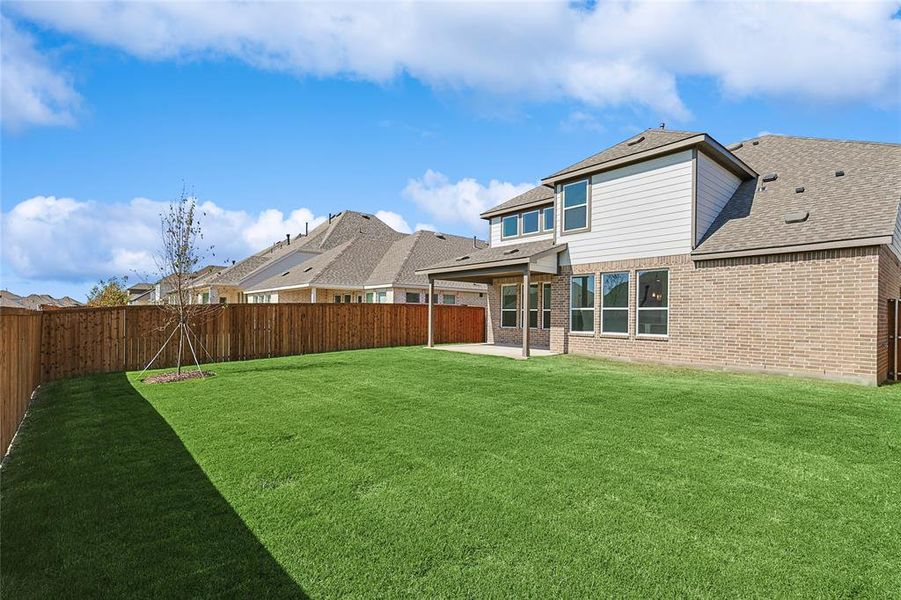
344,227
496,255
648,139
34,301
368,262
399,264
541,194
846,210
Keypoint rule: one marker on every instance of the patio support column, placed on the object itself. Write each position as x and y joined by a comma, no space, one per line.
312,295
431,296
525,312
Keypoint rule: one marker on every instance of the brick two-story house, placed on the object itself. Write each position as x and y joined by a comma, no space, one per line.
774,254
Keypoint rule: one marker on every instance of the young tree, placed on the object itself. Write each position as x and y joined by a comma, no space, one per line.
180,254
111,292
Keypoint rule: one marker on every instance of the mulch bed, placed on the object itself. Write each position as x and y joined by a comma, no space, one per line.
173,376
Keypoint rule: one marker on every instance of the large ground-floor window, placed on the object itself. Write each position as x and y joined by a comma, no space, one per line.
581,314
546,307
615,303
653,303
508,305
533,305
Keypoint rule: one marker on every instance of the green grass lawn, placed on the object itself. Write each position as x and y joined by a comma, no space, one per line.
408,472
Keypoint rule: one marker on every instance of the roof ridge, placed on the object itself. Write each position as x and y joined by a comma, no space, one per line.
817,139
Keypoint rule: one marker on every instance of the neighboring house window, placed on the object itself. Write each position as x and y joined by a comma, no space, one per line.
222,300
412,297
260,298
347,298
615,303
508,305
533,305
581,314
359,299
547,216
575,206
546,306
381,297
450,299
530,222
434,298
337,298
205,298
510,226
369,297
653,303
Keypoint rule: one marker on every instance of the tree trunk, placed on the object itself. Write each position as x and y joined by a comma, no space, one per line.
181,338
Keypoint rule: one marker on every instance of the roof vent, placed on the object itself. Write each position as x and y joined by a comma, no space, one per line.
770,177
285,273
511,251
637,140
799,190
799,216
308,269
462,258
839,173
365,217
734,147
755,142
440,236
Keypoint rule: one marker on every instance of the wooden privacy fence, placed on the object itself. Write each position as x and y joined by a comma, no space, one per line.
42,346
20,367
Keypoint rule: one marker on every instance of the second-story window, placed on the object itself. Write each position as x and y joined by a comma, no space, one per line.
510,226
530,222
547,218
575,206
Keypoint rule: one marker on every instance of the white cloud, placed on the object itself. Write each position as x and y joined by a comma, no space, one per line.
394,221
581,121
33,93
459,202
64,239
617,53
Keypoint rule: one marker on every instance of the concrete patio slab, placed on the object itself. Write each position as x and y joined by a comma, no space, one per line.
494,350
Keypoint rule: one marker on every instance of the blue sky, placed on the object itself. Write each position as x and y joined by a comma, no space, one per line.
272,127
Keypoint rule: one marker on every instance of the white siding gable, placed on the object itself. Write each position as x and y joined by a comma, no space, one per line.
496,234
637,211
715,186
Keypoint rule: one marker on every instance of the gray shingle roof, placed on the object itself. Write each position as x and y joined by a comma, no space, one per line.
477,258
399,264
861,204
373,262
343,228
535,195
648,139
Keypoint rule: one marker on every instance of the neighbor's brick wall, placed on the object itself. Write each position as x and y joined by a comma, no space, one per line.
889,287
811,313
464,298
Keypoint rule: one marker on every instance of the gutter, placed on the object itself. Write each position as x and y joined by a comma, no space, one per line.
763,251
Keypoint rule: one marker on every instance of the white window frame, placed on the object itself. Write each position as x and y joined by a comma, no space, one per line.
453,298
545,292
564,208
628,275
592,309
514,310
522,223
381,297
418,298
504,236
545,226
638,309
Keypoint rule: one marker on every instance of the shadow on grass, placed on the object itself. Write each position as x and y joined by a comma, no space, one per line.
100,498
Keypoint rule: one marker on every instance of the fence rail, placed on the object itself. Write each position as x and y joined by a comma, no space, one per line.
43,346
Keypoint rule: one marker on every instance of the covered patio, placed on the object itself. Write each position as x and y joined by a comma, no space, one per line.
486,349
486,265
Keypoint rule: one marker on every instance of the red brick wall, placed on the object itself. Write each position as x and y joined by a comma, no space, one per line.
889,287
